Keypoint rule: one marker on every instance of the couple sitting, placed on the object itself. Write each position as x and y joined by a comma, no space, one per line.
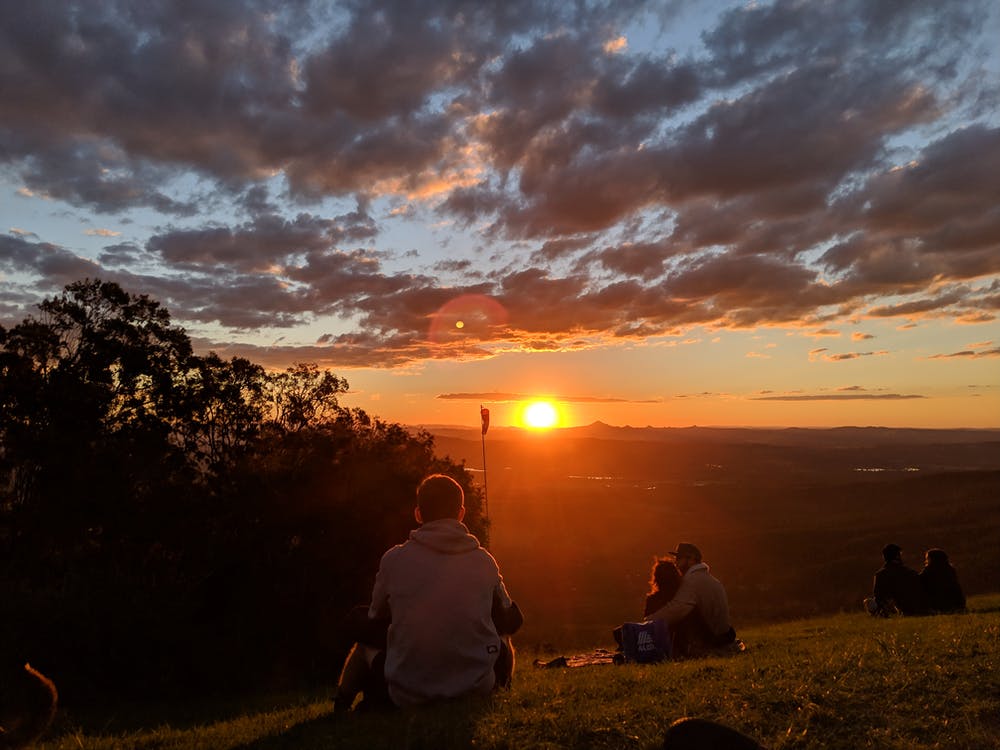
899,589
686,613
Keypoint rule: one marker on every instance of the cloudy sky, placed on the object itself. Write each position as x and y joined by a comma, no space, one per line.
664,213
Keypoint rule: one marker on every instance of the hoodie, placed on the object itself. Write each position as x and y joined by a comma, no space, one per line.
438,590
700,591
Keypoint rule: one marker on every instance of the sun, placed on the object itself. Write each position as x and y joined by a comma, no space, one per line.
540,415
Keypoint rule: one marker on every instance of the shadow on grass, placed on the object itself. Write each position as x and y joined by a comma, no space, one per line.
116,716
319,732
449,724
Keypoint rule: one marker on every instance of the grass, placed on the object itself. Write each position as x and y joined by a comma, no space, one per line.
845,681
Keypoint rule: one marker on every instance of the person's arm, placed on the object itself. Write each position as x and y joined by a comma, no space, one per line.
680,606
507,617
379,609
654,602
880,590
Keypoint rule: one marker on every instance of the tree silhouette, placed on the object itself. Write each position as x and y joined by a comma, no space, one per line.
165,515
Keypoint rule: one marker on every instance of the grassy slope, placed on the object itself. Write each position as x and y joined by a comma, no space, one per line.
844,681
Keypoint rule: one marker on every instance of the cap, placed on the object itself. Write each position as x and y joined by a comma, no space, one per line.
686,549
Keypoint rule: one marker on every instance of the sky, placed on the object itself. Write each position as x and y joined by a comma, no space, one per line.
651,213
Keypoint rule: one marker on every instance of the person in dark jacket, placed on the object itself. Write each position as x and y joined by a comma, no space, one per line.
940,582
897,587
664,580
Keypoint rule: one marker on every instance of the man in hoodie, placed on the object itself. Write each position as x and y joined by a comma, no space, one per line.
446,604
896,587
698,614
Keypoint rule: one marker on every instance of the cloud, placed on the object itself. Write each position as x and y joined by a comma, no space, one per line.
969,354
821,354
804,164
499,397
18,255
841,397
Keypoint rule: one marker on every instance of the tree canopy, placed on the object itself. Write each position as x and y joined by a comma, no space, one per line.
164,514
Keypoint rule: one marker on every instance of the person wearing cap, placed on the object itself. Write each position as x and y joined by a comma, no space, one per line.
897,587
698,614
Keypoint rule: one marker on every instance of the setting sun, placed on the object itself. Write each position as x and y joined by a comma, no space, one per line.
540,415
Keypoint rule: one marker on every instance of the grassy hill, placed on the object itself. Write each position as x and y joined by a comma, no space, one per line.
840,681
791,521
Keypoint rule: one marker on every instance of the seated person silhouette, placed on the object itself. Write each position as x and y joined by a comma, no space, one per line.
664,580
440,618
940,582
896,588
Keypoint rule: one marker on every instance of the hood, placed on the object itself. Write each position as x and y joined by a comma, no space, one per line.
697,567
446,535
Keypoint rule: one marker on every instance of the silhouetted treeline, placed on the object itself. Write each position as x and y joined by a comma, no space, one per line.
172,522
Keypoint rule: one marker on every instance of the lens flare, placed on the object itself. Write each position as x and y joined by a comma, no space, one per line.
474,316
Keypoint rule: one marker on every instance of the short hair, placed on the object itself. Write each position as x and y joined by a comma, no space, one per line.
891,552
439,496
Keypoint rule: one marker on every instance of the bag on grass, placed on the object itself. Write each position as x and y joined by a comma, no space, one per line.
646,642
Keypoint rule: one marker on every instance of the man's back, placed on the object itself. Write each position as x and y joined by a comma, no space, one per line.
702,592
439,589
896,583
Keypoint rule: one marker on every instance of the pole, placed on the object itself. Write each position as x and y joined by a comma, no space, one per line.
484,415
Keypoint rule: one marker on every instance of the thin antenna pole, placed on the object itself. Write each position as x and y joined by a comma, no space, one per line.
484,415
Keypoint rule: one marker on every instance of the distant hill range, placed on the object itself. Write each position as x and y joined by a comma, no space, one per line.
671,452
767,435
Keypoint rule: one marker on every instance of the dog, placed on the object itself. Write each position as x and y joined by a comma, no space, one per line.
701,734
28,701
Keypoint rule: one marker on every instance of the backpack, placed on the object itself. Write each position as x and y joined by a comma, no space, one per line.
646,642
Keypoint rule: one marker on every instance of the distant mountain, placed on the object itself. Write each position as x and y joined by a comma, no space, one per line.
731,454
790,436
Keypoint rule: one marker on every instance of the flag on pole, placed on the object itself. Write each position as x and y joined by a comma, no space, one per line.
484,414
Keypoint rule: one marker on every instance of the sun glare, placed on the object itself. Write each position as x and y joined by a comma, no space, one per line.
540,415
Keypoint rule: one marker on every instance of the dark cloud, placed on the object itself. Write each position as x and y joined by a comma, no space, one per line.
497,397
807,163
969,354
54,263
261,244
841,397
842,356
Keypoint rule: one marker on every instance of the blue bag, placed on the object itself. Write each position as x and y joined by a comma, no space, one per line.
646,642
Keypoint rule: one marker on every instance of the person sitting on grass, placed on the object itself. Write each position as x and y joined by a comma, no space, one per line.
664,581
698,614
448,613
896,588
940,582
